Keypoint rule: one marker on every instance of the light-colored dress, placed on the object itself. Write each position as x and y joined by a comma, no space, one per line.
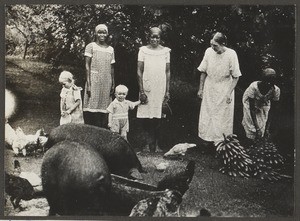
119,111
154,80
101,79
216,115
262,105
68,97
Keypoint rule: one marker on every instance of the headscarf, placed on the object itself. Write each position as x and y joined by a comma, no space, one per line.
101,26
269,72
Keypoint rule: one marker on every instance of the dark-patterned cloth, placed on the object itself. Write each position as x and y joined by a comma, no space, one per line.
166,205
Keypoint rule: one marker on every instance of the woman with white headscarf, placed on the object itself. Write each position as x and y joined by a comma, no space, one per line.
99,60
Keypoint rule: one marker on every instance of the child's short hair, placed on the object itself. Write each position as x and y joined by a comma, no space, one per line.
66,75
121,88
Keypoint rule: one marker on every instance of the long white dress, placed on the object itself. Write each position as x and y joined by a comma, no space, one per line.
216,115
262,106
154,80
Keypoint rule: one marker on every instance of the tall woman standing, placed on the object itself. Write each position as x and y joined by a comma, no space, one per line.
219,75
99,60
154,78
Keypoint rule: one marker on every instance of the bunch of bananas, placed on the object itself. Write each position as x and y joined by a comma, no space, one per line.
266,160
234,158
261,159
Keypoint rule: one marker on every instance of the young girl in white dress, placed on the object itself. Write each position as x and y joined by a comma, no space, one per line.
70,100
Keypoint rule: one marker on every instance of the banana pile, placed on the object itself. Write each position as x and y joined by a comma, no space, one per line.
234,157
261,159
266,160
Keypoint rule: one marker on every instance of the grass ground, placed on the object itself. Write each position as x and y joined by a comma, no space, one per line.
37,90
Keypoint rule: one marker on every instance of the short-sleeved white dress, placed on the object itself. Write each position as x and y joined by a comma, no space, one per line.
68,98
154,80
216,115
101,80
262,105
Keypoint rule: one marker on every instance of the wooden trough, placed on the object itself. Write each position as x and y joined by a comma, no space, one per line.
126,193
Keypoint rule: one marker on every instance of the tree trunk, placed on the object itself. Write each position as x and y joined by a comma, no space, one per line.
25,50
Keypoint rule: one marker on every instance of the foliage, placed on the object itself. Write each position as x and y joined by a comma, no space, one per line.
262,35
27,25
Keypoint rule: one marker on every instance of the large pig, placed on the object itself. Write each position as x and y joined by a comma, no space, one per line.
75,179
120,157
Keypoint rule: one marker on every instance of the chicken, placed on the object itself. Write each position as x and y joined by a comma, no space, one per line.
166,205
179,181
34,179
148,200
24,143
179,149
10,134
18,188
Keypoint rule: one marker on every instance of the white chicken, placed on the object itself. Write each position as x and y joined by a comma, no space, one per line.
179,149
10,134
18,140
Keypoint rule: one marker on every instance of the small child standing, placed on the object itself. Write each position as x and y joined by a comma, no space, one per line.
118,111
70,102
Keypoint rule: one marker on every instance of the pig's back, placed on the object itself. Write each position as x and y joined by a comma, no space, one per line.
118,154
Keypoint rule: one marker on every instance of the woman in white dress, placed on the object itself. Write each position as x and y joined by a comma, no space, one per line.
219,75
153,77
257,101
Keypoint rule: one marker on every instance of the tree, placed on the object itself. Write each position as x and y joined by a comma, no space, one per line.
59,33
29,23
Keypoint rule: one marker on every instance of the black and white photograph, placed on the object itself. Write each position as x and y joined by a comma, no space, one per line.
149,110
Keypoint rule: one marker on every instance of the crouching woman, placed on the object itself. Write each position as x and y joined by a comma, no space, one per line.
257,101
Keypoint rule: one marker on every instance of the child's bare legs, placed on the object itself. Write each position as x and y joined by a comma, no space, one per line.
123,128
120,126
